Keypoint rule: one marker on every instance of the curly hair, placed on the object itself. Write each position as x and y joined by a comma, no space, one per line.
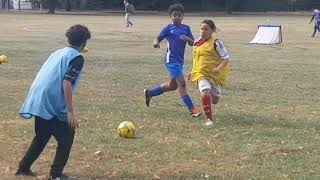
176,7
77,35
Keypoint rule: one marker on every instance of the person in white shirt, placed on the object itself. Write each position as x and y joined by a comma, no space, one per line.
316,18
129,10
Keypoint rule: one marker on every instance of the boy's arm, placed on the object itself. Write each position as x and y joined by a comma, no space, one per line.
163,34
71,75
156,42
67,90
311,19
187,39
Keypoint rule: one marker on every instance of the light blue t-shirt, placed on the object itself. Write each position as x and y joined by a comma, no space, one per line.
45,97
175,45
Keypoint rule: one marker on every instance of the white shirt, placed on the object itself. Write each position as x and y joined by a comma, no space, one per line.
221,50
316,14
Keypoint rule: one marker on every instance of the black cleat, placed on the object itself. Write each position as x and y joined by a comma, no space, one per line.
25,173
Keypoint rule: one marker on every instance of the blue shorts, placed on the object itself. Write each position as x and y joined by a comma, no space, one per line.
175,70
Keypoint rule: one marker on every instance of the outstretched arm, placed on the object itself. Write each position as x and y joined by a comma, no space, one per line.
312,19
156,42
187,39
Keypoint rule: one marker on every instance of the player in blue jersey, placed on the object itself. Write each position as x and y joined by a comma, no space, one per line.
177,36
316,18
50,102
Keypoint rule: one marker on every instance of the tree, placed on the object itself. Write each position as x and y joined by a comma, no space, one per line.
204,4
83,4
52,4
228,4
68,5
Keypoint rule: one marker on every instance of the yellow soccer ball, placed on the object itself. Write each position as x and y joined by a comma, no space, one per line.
85,50
126,129
3,59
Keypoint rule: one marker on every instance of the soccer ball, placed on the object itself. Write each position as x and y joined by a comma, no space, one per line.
3,59
126,129
85,50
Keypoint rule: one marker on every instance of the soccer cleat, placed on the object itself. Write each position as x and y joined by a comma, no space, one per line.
62,177
25,173
195,113
148,98
208,122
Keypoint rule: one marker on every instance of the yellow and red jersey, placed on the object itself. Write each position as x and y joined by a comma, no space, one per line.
205,58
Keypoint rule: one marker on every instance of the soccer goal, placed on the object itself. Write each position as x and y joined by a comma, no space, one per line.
268,34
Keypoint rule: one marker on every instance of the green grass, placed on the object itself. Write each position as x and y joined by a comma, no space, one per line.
267,120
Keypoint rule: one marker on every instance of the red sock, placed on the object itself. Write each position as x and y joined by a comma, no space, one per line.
206,106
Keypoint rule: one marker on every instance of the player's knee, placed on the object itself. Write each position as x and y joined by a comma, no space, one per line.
182,84
174,87
215,100
205,92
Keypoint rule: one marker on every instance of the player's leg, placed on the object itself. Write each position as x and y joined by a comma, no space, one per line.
130,20
206,100
215,96
215,93
165,87
43,134
314,31
126,19
64,135
171,85
182,87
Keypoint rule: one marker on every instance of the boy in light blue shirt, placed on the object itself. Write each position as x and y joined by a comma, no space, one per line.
177,36
49,100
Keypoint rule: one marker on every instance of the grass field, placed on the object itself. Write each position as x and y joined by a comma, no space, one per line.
267,121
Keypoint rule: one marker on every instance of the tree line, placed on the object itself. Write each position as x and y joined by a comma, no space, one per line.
190,5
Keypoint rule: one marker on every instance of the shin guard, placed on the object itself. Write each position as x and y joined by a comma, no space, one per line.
206,106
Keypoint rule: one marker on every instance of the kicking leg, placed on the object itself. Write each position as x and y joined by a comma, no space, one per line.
157,90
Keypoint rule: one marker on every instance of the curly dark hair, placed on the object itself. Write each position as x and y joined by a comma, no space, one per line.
176,7
210,23
78,34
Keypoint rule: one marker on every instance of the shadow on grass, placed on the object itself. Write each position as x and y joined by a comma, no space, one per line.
247,119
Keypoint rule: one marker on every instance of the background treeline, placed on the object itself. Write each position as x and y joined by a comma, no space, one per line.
190,5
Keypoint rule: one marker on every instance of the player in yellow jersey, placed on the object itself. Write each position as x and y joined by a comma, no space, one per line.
210,68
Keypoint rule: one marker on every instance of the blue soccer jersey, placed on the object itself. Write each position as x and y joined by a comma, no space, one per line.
175,45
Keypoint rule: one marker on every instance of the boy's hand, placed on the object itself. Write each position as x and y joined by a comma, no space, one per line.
156,45
215,71
72,120
185,38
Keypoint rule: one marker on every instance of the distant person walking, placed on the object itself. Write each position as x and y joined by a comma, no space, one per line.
129,11
316,18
